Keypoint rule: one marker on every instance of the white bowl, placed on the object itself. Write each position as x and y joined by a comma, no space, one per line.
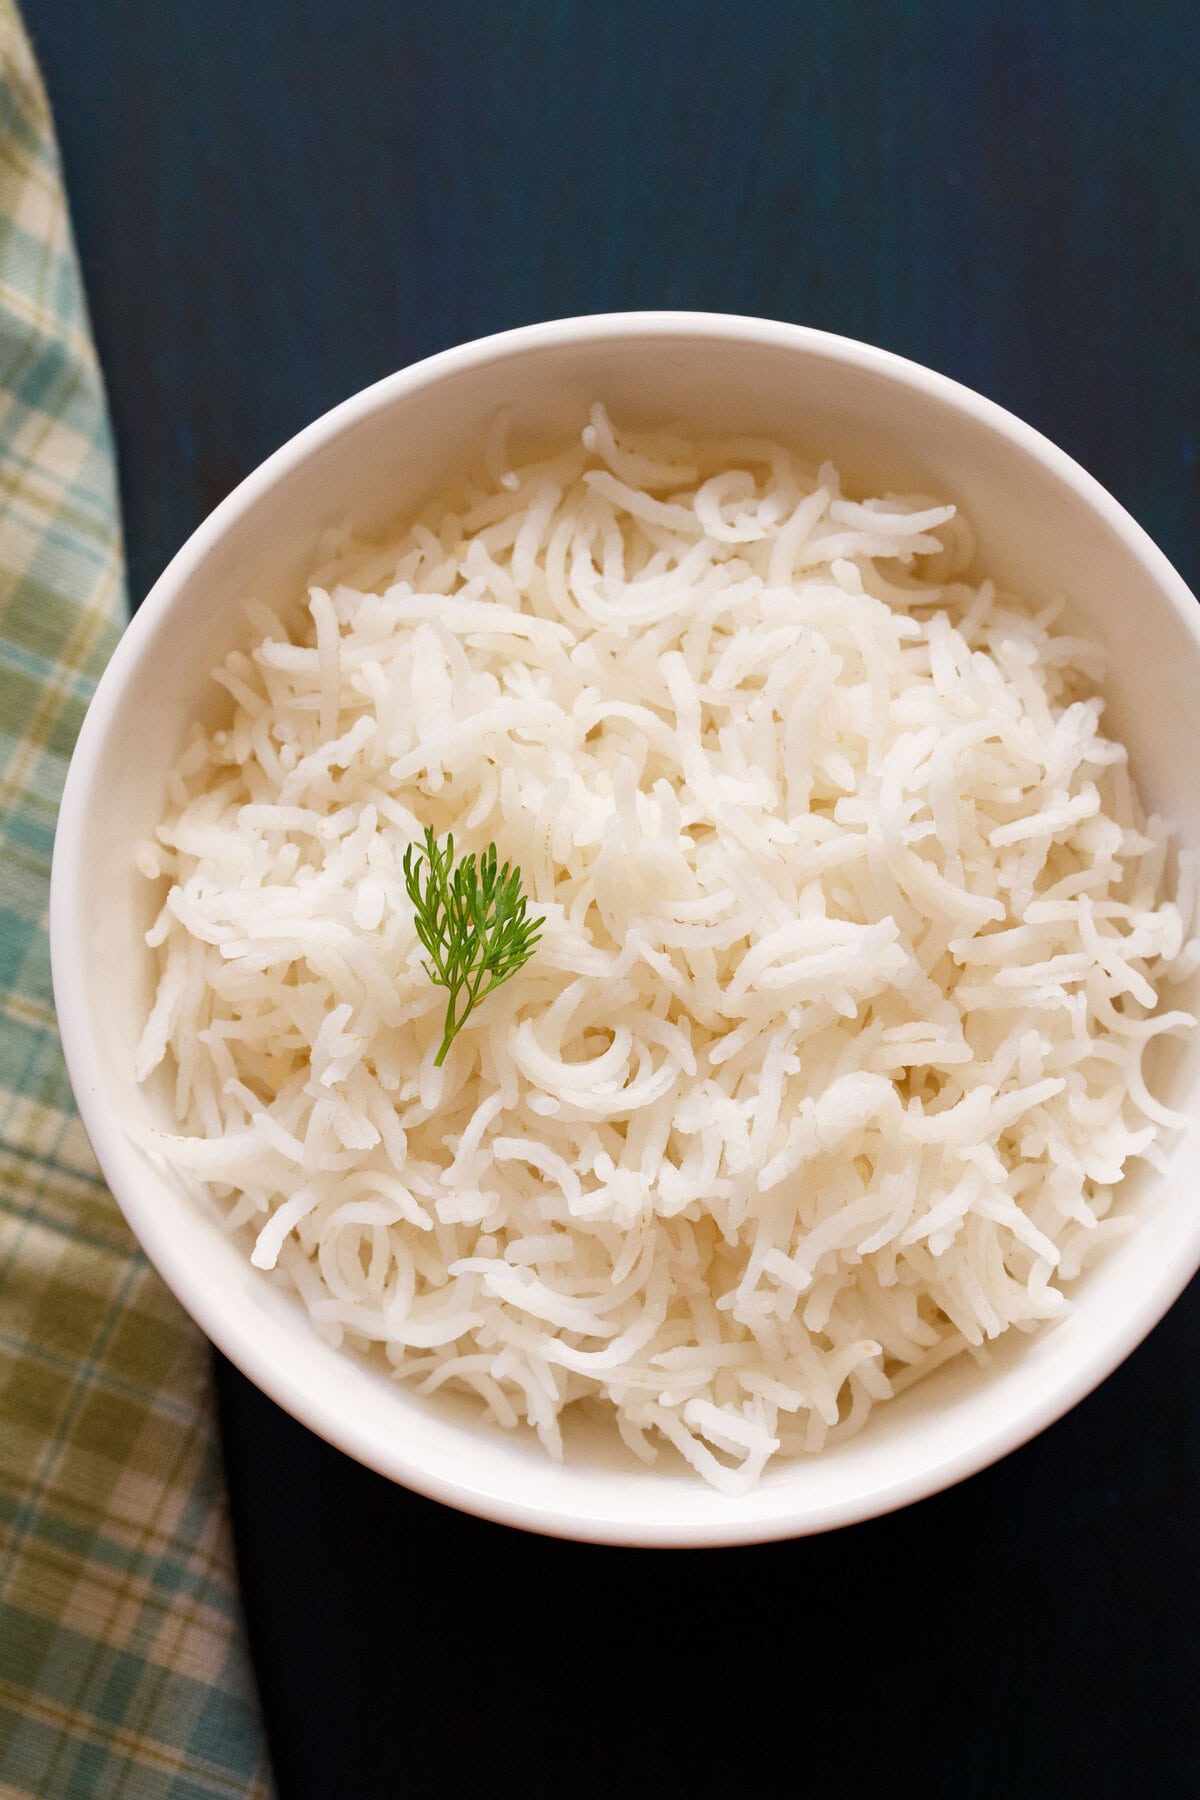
1043,526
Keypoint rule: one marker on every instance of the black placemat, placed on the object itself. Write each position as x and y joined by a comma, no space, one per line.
1031,1633
278,201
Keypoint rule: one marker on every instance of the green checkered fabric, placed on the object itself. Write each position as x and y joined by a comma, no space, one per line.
122,1672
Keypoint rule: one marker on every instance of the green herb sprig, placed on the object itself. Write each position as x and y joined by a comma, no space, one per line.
472,921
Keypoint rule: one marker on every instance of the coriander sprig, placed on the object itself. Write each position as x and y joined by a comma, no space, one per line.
472,921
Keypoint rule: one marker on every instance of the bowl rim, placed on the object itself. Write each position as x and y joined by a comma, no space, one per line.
115,1156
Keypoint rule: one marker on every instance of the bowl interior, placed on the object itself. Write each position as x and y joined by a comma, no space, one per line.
1042,527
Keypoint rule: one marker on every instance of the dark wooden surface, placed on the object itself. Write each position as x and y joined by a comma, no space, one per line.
278,201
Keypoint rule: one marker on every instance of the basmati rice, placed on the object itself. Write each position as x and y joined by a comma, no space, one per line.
829,1061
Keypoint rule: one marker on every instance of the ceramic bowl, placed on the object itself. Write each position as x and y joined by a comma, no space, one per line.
1043,526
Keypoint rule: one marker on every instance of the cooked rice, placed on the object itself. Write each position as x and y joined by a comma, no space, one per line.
828,1064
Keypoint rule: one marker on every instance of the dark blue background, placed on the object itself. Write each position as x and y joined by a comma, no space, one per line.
276,202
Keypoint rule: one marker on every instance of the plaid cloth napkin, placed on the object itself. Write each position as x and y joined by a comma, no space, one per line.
122,1671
